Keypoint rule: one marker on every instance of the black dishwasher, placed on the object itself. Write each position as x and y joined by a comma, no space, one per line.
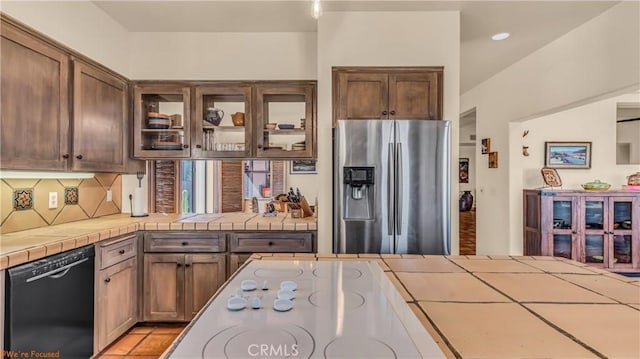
49,306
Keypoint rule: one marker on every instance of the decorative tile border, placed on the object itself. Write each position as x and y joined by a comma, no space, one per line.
23,199
71,195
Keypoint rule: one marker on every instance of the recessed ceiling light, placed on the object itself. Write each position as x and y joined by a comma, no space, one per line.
500,36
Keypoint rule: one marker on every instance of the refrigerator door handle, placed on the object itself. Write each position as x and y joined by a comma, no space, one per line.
389,191
398,186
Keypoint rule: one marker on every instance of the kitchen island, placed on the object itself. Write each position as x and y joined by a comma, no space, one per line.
501,307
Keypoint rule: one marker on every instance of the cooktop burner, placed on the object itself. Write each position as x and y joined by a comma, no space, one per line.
260,341
358,347
343,272
278,272
345,299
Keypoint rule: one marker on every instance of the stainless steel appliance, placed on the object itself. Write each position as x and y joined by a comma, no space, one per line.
49,305
392,186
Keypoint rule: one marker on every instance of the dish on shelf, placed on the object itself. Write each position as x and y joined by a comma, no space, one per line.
270,126
160,145
286,126
596,186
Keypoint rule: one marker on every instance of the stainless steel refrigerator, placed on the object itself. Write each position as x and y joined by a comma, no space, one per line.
392,186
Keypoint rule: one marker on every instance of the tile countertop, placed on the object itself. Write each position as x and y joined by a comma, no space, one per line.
25,246
513,307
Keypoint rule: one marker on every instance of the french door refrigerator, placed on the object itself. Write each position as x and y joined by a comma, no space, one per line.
392,186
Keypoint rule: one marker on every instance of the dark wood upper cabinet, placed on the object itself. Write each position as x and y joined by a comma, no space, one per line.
34,103
387,93
99,120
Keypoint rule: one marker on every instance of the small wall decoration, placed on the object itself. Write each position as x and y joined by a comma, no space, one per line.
486,145
303,167
567,154
493,159
463,170
551,177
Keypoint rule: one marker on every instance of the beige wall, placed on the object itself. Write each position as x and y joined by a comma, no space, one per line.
223,56
79,25
91,201
598,58
384,39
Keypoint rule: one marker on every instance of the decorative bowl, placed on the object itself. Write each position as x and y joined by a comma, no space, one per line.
270,126
634,179
596,186
286,126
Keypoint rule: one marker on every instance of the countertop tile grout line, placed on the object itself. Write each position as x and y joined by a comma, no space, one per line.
589,289
544,320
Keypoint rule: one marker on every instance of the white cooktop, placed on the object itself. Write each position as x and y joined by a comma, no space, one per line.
342,309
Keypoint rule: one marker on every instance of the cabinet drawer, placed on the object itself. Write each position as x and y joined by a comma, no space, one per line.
271,242
117,250
183,242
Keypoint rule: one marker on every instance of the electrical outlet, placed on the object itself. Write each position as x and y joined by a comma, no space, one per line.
109,195
53,200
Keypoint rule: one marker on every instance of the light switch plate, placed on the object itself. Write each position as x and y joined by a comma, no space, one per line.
109,195
53,200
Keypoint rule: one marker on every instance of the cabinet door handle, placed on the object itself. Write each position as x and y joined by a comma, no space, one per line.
384,113
260,146
179,264
198,146
107,280
392,113
65,156
187,265
185,146
185,243
121,251
270,243
574,232
79,157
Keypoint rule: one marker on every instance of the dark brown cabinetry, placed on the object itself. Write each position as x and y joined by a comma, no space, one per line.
387,93
229,138
99,120
116,289
271,241
254,119
155,136
598,228
181,276
34,102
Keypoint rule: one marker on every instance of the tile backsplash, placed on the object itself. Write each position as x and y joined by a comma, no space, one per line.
24,203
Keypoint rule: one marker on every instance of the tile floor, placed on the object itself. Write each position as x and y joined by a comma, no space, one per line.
468,233
143,342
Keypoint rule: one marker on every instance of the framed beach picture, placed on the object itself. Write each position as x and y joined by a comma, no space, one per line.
567,154
303,166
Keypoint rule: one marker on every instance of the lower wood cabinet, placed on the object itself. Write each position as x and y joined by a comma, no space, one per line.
177,285
271,241
236,260
117,290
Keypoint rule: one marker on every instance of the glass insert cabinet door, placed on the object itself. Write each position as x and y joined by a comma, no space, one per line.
563,228
161,121
223,122
623,238
594,221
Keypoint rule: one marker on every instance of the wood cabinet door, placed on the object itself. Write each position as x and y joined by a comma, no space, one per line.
415,95
204,274
164,287
99,120
362,95
235,261
117,298
34,103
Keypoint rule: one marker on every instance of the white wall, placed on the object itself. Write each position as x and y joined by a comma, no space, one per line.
599,57
79,25
223,56
593,123
384,39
